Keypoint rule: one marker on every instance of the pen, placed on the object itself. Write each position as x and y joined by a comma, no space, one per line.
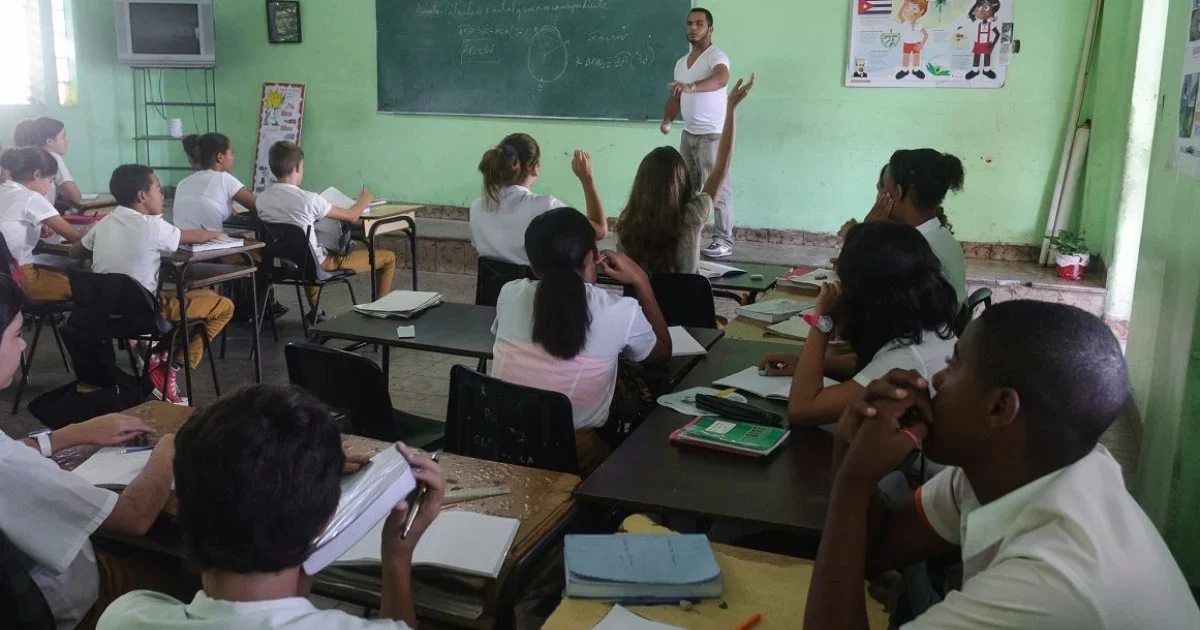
751,622
655,601
136,449
416,504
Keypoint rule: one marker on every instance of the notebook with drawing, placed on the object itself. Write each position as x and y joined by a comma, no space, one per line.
683,344
458,541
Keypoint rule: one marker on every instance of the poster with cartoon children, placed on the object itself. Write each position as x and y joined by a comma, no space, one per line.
930,43
281,117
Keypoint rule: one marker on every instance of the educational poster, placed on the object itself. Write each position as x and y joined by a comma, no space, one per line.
930,43
279,118
1186,157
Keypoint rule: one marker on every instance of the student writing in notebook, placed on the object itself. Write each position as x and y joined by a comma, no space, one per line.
893,307
285,202
204,199
26,216
911,189
562,333
258,476
660,228
51,134
1038,510
48,514
132,241
500,217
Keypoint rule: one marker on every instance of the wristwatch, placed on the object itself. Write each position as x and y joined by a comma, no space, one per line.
823,324
692,88
43,441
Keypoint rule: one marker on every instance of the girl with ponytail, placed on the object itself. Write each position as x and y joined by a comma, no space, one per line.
500,217
26,216
893,307
204,199
50,134
911,189
561,333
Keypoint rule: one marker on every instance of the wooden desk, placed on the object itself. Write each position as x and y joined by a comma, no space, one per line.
750,330
540,499
386,219
753,582
787,491
101,201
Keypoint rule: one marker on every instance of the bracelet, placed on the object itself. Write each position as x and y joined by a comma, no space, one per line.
916,440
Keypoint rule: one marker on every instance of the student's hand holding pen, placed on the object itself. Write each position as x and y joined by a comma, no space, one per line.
396,546
365,197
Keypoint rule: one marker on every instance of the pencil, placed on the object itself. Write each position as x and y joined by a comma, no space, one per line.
726,392
751,622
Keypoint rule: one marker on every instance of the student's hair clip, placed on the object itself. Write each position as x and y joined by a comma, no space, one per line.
510,152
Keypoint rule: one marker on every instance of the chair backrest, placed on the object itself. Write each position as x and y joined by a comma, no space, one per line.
491,276
487,418
289,254
981,297
686,299
113,305
348,384
21,600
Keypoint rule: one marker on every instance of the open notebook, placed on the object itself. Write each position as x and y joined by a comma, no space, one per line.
459,541
342,200
773,387
114,466
712,270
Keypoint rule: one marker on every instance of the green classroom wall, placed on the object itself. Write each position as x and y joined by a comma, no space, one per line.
1164,344
809,149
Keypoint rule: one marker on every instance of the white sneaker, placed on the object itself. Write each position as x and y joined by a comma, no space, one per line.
717,250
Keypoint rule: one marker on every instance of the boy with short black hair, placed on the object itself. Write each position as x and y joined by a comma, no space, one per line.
132,241
285,202
1049,536
257,475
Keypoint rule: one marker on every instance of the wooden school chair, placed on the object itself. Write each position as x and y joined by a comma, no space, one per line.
487,418
290,261
114,306
353,387
686,299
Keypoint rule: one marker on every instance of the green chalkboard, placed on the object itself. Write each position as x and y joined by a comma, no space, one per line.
546,58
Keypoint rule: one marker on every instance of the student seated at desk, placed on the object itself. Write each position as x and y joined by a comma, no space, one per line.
204,199
500,217
660,226
285,202
911,189
51,134
258,475
191,148
48,513
1049,536
26,216
893,307
562,333
132,240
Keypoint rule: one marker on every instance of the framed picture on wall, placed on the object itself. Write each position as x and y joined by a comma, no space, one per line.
283,22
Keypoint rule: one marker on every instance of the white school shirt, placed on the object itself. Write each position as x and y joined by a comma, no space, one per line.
703,112
21,214
63,176
132,243
949,252
292,205
499,231
48,514
1069,551
913,32
928,358
618,328
148,610
204,200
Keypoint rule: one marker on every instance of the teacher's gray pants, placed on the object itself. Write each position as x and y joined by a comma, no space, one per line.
699,155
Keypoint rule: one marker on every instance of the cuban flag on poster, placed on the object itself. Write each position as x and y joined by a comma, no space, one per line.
875,7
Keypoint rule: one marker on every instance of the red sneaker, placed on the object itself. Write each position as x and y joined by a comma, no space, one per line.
172,391
158,374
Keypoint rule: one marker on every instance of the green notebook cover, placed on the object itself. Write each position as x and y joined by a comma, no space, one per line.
738,434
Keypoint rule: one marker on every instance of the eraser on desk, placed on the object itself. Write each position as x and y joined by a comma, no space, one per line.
758,277
406,332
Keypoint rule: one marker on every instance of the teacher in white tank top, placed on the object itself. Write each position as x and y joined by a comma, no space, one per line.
699,90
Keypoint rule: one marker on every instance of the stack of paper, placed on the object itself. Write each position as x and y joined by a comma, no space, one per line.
739,438
683,344
401,304
807,278
620,618
772,387
623,566
771,311
712,270
226,242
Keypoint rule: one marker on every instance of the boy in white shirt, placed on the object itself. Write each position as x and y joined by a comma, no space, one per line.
1049,536
132,241
258,475
285,202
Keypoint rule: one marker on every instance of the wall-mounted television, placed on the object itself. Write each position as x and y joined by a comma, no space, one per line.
165,33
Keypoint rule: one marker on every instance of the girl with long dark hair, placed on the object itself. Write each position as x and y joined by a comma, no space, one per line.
204,199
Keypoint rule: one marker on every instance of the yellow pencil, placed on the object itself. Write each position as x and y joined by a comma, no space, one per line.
724,393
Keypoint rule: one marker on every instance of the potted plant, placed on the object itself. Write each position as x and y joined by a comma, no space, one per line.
1072,255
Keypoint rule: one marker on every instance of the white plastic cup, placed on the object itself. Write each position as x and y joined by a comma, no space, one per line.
176,127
